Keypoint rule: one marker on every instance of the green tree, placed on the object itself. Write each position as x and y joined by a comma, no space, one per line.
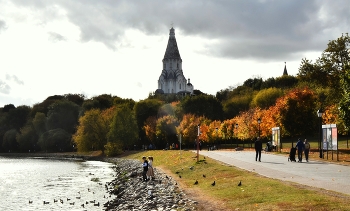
9,141
63,114
123,127
39,123
266,97
166,130
203,105
344,104
56,140
236,105
92,130
17,118
27,138
143,110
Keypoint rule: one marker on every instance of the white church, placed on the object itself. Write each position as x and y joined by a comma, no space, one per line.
172,79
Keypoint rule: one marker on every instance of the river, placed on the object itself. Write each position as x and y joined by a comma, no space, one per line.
53,184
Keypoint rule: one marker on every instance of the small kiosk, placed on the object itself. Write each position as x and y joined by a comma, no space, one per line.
330,139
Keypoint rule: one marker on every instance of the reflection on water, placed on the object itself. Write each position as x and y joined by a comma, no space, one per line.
25,183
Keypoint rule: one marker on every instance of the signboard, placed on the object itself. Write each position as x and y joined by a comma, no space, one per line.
276,136
329,137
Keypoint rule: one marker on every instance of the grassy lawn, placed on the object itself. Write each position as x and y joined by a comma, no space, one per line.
256,193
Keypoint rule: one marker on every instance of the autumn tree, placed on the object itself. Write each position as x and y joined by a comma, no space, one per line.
166,130
93,129
188,127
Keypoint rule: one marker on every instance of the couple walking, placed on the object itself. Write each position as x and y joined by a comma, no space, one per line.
303,147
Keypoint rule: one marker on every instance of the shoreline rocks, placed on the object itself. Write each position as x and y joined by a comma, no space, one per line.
129,192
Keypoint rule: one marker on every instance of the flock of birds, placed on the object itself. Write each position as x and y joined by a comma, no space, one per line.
71,201
68,200
204,176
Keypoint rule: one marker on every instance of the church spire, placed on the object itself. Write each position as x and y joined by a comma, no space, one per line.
172,51
285,69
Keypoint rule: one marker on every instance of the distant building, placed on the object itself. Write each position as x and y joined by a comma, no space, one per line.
172,80
285,69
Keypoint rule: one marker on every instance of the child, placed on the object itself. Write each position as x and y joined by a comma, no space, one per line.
145,168
150,172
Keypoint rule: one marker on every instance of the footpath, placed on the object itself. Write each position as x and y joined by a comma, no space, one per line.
317,174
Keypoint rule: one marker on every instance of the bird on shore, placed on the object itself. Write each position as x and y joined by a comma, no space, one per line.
240,183
46,202
196,182
213,184
180,176
204,175
191,167
177,172
30,202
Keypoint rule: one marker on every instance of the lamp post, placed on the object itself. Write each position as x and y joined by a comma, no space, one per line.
319,114
198,132
236,135
259,121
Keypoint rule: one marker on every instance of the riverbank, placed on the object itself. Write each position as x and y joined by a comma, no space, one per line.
132,193
127,191
95,155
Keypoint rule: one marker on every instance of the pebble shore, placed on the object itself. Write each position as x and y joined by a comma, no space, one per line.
129,192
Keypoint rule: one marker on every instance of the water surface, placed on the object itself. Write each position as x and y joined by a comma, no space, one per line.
71,182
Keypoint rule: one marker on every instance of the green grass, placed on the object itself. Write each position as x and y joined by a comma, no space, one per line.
256,192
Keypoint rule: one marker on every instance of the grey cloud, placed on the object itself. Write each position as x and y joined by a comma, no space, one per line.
4,87
14,78
55,37
265,29
3,26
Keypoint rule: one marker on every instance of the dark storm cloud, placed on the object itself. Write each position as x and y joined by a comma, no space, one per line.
4,87
265,29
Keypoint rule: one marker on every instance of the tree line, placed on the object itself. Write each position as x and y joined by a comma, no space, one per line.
109,123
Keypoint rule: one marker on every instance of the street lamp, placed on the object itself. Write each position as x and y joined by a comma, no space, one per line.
198,132
259,121
319,114
216,129
237,134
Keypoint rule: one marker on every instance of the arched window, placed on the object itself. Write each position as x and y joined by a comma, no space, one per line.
180,86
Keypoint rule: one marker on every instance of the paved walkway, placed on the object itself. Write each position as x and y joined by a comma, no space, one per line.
314,173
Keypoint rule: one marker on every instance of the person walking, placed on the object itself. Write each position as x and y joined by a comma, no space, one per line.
150,172
306,150
145,168
300,147
258,148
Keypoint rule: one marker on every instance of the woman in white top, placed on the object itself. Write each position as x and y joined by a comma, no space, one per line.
150,172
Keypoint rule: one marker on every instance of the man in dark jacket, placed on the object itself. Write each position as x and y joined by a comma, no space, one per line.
300,146
258,148
145,168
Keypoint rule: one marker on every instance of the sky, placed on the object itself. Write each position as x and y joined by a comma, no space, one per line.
116,47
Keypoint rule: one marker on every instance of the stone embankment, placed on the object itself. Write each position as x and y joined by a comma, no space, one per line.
129,192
